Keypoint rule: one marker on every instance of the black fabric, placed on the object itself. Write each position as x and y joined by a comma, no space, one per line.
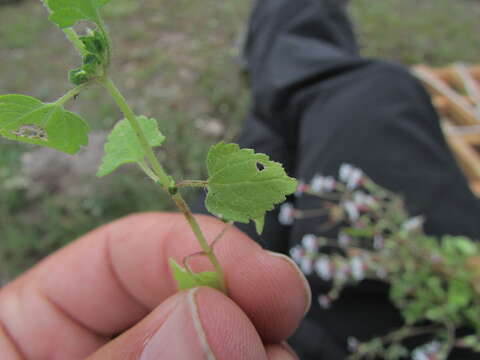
318,104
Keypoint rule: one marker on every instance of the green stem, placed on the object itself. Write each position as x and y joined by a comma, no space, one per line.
192,183
103,30
72,35
146,169
132,119
70,94
162,176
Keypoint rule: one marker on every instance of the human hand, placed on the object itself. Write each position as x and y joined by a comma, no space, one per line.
116,280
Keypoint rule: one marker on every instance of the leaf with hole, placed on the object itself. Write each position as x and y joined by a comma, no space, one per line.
124,147
244,185
26,119
186,280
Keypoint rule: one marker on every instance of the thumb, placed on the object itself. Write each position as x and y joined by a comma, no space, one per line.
199,324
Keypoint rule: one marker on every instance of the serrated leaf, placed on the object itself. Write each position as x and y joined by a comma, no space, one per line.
186,280
26,119
244,185
66,13
123,146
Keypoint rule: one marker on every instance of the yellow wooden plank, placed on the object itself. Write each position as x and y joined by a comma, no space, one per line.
467,156
460,109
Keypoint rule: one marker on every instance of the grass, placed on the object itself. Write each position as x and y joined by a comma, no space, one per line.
435,32
174,60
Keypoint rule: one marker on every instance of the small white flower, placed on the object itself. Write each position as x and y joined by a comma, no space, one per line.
354,179
433,347
324,301
420,354
352,210
329,184
310,243
414,223
345,172
360,198
356,266
306,265
321,184
427,351
323,267
287,212
297,253
317,184
344,240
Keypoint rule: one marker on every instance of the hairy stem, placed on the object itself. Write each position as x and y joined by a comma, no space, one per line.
192,183
70,94
162,176
146,169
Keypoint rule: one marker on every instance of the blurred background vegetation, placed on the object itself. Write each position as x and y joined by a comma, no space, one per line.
176,61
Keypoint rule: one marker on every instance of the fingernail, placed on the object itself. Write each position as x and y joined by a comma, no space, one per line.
181,336
308,291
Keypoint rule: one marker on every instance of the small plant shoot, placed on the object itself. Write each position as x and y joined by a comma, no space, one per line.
242,185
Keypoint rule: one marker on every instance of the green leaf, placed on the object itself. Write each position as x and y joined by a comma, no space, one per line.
123,146
186,280
26,119
66,13
459,293
244,185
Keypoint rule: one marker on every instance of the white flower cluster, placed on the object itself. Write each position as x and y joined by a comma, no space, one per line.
360,202
336,269
322,184
328,269
287,214
430,351
351,176
318,185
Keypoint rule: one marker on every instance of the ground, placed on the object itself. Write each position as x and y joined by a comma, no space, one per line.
176,61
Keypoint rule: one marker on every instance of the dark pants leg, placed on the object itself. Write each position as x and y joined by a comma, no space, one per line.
317,104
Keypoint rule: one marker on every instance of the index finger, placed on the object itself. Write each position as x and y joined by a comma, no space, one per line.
111,278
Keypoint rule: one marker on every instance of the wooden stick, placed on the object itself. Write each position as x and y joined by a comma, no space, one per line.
470,134
447,73
467,156
476,188
469,84
460,109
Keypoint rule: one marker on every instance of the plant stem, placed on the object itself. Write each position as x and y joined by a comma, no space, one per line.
162,176
192,183
72,35
70,94
146,169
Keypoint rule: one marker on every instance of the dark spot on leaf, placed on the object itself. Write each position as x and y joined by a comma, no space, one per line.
260,166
